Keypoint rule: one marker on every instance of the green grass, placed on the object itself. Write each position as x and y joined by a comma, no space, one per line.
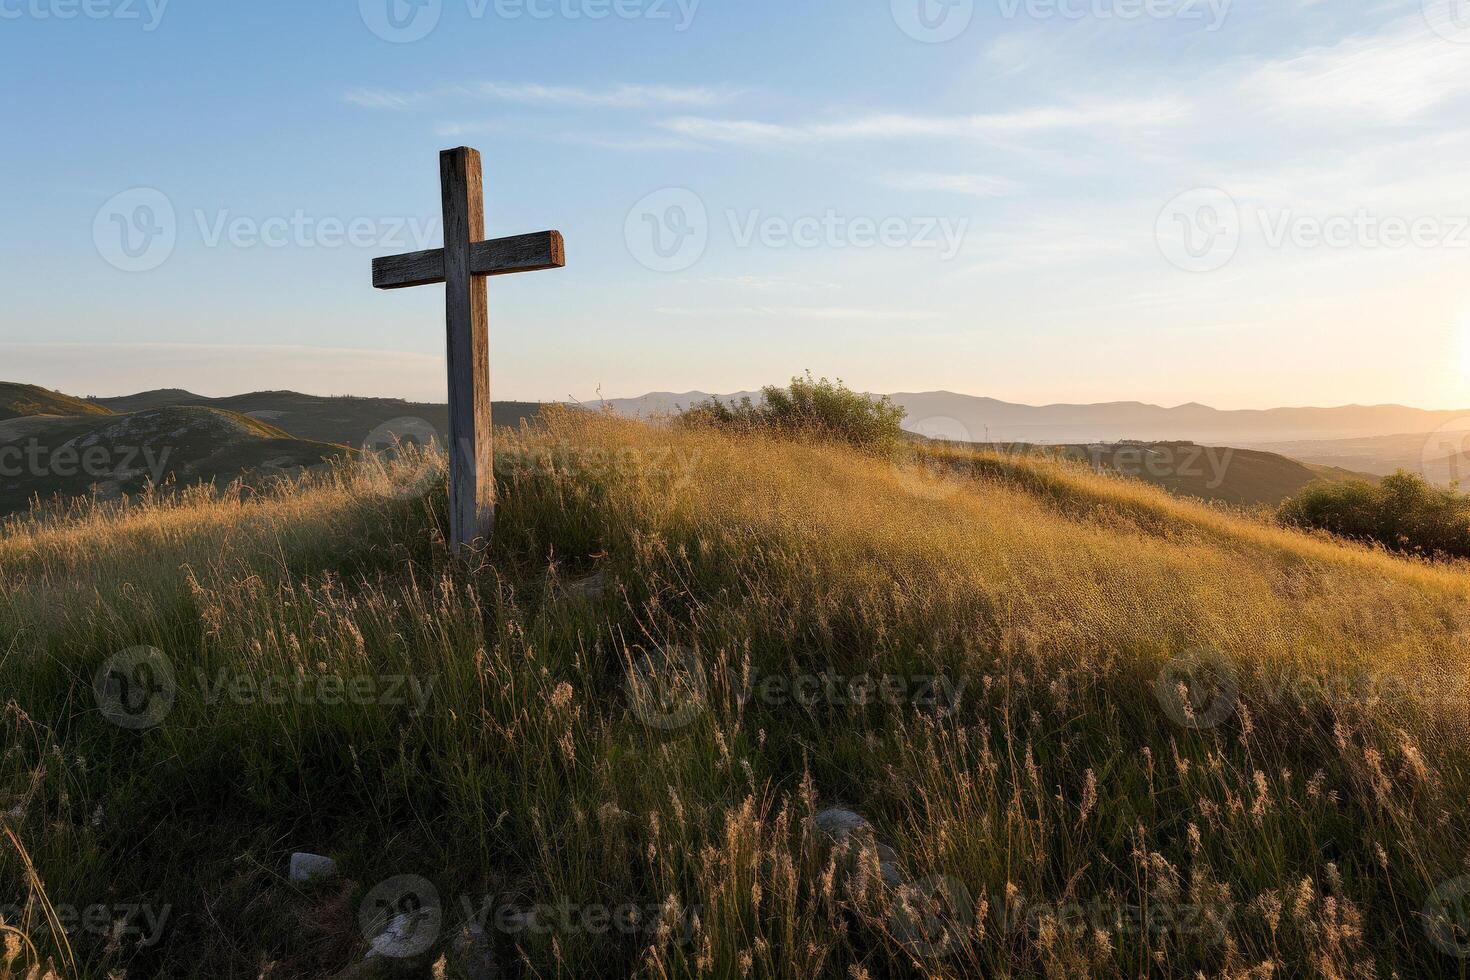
1300,827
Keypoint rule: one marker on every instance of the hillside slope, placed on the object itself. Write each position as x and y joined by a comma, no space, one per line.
18,400
49,457
1096,730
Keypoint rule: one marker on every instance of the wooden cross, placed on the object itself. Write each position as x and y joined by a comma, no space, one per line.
462,265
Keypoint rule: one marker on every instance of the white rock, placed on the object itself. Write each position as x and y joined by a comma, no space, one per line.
306,868
842,825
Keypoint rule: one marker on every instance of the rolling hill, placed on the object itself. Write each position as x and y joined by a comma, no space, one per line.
115,455
19,400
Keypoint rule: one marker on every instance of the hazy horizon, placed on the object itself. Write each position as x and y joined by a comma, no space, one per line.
231,391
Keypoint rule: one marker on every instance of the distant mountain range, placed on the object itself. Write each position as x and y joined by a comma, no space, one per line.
115,446
972,418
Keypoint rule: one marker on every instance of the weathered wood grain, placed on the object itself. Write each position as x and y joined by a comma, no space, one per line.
467,320
500,257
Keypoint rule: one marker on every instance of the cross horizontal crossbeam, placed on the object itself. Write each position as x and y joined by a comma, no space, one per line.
500,257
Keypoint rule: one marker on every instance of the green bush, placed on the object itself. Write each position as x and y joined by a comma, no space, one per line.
1402,512
809,408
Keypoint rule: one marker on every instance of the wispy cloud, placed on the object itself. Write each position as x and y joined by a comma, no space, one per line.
1123,113
613,96
1398,75
972,185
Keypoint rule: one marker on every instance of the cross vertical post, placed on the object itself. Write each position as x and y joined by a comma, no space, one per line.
463,265
467,321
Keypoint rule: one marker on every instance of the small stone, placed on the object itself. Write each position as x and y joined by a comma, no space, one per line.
840,824
843,825
307,868
590,588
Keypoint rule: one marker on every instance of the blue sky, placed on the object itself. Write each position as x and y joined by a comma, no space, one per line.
1243,203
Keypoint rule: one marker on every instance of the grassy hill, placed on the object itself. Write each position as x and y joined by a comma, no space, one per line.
60,457
54,446
18,400
1096,730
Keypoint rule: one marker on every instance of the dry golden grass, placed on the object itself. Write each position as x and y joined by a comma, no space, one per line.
664,744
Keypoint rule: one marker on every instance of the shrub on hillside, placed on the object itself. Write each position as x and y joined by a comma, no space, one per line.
1403,512
815,408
